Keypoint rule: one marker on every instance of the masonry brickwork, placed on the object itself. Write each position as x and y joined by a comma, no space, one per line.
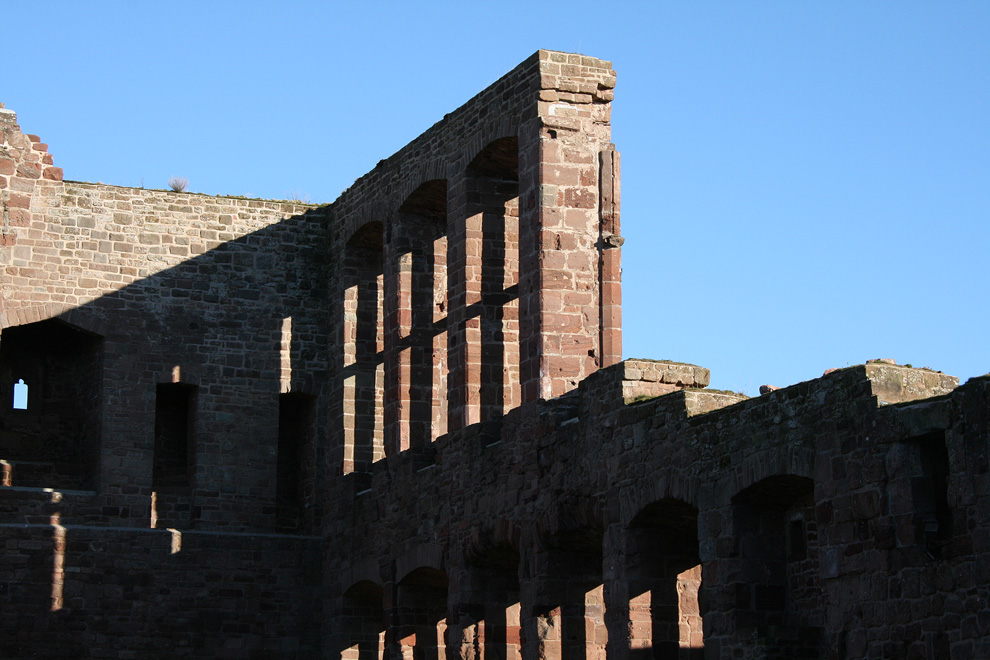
399,426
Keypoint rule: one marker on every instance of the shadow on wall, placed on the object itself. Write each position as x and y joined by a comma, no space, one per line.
187,399
199,383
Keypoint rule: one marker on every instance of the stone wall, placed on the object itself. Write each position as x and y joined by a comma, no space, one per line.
222,296
481,243
96,592
398,426
174,350
802,507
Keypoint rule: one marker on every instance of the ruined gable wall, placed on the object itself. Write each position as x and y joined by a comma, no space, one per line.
224,295
554,109
24,163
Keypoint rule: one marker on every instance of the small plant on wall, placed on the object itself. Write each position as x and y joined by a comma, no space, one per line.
178,183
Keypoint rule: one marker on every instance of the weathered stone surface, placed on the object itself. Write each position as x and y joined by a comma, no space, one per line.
399,426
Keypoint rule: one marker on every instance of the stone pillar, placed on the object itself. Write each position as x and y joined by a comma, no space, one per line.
624,633
610,264
561,234
438,333
398,328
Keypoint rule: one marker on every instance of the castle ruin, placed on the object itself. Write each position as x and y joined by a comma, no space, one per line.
399,426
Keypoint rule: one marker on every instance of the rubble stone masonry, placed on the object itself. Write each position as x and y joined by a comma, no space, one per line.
400,426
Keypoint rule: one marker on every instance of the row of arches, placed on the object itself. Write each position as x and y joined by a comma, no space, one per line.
646,589
430,297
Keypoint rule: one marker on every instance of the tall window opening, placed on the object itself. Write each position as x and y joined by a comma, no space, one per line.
420,614
488,615
484,285
933,517
363,342
362,623
663,573
174,407
573,598
416,313
296,464
774,520
51,385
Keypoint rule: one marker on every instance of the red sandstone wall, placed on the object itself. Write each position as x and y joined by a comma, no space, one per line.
24,163
515,178
88,592
155,287
804,502
843,517
223,295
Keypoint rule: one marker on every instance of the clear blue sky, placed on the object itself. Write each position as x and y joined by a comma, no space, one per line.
805,185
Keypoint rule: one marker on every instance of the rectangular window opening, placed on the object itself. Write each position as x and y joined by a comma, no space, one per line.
934,515
174,407
797,542
295,470
20,395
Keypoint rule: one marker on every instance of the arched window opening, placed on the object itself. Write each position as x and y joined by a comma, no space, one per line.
663,577
774,520
419,619
362,623
51,376
363,344
484,272
488,614
416,319
573,597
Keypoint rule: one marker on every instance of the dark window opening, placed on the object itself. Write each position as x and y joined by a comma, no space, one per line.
362,622
174,407
416,295
663,574
774,522
51,377
363,370
797,542
494,195
295,470
420,605
931,496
